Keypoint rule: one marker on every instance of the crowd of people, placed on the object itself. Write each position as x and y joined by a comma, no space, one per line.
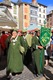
24,48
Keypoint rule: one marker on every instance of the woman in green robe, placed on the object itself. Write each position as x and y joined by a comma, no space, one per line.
38,54
14,56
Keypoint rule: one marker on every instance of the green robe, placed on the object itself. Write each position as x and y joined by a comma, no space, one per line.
24,43
14,57
38,55
29,39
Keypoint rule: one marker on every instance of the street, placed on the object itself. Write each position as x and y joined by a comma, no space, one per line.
27,74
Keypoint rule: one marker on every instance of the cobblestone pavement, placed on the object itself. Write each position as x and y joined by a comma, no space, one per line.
49,70
27,74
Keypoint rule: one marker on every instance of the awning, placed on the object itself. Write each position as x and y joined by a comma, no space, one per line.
6,19
5,28
6,22
33,27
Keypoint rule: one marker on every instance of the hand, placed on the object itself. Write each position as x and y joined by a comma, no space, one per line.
12,37
40,47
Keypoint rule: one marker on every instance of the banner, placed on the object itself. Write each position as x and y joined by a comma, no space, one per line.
45,34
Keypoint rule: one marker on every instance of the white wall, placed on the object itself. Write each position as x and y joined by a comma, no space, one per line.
42,13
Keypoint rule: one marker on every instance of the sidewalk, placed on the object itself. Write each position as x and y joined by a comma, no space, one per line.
27,74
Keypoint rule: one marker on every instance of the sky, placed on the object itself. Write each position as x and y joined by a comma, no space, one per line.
1,0
48,3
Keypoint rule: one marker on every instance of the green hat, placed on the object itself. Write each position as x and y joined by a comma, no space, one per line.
24,30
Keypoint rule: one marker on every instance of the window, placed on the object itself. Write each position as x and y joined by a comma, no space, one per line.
31,12
36,20
43,16
50,19
36,13
25,17
39,21
50,15
50,23
40,10
43,11
33,20
39,15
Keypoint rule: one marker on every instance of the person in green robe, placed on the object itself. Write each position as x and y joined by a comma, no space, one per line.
23,40
26,42
38,54
14,55
25,45
28,56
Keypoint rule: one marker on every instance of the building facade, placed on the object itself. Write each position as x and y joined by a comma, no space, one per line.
24,13
28,13
50,19
33,14
41,14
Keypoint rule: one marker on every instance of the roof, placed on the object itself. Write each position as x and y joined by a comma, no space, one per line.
29,4
18,3
13,2
42,4
51,12
34,5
